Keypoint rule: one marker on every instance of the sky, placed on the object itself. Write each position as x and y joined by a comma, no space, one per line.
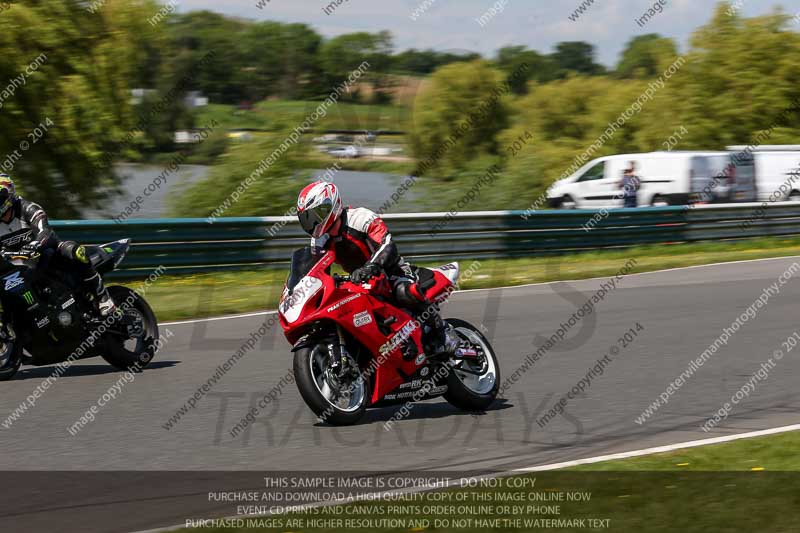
453,24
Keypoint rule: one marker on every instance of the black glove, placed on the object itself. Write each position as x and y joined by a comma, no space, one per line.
365,273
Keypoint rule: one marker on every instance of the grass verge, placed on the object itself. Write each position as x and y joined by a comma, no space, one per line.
203,295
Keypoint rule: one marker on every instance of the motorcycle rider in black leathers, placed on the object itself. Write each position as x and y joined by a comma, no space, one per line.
24,227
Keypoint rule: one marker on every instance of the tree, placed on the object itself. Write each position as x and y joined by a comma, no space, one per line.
457,117
281,60
215,42
343,54
416,61
540,68
740,78
646,56
426,61
79,94
576,56
303,76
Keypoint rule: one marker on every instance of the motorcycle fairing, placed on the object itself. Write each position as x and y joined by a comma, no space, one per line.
436,284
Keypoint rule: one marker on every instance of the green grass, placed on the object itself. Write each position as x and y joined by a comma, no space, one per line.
774,453
648,258
179,297
719,488
204,295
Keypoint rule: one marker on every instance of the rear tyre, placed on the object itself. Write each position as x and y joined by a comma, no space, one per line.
474,390
135,351
10,359
340,401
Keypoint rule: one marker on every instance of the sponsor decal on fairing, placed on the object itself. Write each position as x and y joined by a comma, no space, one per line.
362,319
399,338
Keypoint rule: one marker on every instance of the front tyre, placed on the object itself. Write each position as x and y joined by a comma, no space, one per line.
473,383
336,397
131,342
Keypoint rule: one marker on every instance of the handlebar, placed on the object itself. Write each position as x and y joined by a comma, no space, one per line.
20,258
340,279
15,255
375,284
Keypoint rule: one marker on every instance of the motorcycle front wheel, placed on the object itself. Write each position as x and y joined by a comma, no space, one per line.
136,349
10,358
337,397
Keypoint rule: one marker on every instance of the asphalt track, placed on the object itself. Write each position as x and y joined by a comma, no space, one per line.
682,311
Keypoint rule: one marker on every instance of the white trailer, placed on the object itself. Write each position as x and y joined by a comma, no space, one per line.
777,169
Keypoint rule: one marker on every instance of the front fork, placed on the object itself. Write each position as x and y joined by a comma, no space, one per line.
339,350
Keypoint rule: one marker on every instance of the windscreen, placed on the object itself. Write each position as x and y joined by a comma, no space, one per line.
303,260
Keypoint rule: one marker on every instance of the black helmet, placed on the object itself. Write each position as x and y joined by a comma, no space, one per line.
8,194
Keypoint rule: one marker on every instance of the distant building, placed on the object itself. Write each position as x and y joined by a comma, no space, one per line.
186,137
195,99
192,100
137,95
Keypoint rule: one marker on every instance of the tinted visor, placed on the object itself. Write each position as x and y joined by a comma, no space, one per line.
311,218
5,201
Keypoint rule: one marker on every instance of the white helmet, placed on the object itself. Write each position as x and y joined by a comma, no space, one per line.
318,208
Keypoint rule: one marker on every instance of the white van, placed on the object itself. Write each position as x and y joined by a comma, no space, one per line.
667,178
777,171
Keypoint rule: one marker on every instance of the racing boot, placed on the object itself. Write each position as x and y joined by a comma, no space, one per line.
105,304
439,337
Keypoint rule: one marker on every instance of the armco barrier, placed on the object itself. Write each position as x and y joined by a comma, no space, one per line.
195,245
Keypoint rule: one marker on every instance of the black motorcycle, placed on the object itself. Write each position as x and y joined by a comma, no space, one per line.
45,312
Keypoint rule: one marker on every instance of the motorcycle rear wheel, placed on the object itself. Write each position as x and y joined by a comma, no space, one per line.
116,353
477,389
315,382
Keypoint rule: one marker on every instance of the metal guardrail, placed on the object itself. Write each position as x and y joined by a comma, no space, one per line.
195,245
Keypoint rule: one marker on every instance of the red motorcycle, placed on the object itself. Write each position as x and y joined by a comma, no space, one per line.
353,349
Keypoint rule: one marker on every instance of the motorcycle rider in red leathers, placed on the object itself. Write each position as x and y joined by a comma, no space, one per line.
364,248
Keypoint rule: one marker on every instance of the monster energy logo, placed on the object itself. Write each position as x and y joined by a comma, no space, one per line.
28,297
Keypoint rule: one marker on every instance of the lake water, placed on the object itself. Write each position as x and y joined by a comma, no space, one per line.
136,178
367,189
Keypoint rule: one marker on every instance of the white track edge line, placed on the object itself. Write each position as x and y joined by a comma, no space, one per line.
213,319
661,449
